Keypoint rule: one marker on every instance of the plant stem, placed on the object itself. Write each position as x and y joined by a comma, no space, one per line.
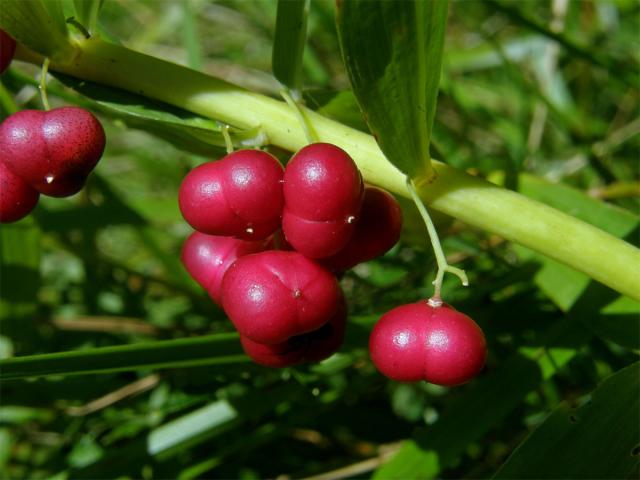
443,265
43,84
227,139
514,217
309,132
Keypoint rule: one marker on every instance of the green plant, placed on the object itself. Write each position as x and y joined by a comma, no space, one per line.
97,288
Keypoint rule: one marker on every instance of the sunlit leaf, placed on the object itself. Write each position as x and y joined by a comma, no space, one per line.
393,54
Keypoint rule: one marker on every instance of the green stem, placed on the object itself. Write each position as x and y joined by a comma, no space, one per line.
309,132
43,84
227,139
584,247
443,265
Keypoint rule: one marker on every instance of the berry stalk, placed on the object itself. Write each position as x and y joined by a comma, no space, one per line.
441,259
514,217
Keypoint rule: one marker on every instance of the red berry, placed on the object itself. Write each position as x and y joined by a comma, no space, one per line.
377,230
322,185
309,347
207,258
274,295
52,151
239,195
17,198
418,342
7,49
315,239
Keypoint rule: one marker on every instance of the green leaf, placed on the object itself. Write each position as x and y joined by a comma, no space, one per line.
219,349
87,12
393,55
184,129
39,25
56,14
289,42
597,440
190,35
216,418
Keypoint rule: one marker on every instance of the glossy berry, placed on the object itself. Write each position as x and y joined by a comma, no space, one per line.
17,198
418,342
52,151
239,195
323,194
273,296
7,49
309,347
207,258
377,230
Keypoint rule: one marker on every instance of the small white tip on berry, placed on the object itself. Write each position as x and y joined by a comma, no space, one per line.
49,178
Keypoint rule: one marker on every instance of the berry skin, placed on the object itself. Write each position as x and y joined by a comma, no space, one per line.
239,195
418,342
378,229
208,257
273,296
308,347
323,194
52,151
17,198
7,49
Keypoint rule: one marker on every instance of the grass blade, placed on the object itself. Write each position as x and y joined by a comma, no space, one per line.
218,349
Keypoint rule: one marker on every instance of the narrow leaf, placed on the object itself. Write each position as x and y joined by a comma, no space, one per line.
190,36
393,55
289,42
215,418
597,440
219,349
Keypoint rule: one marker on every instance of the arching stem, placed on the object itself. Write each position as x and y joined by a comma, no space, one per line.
227,139
443,266
309,132
43,84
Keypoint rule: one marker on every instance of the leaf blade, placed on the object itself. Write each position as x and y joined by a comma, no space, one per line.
594,441
397,88
289,42
220,349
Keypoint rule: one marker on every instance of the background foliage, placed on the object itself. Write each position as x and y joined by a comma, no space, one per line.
532,94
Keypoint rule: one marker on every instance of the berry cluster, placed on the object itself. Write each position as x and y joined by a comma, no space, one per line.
270,241
49,153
